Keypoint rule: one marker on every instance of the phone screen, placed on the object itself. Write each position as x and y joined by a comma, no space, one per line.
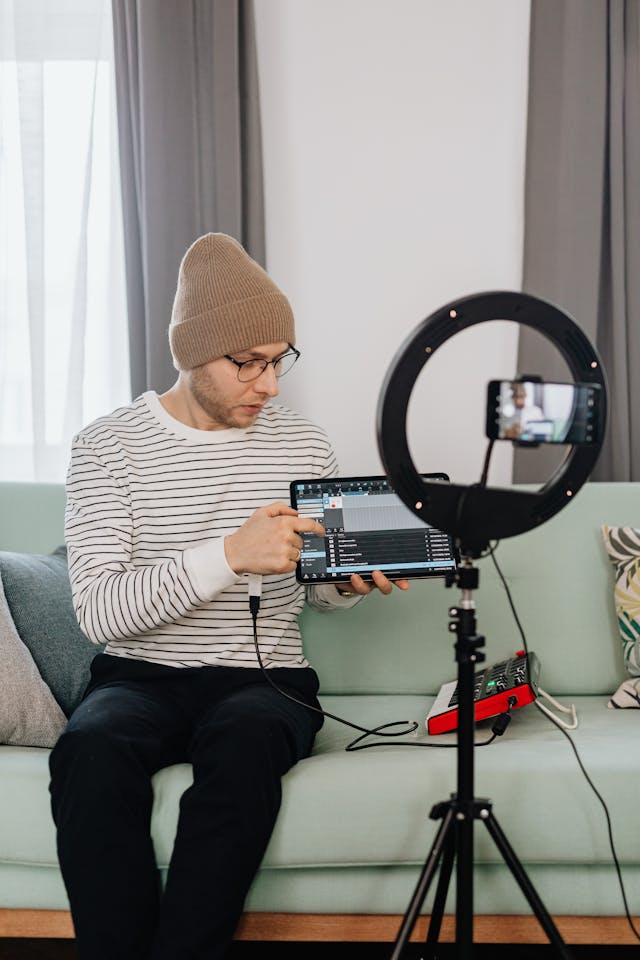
532,412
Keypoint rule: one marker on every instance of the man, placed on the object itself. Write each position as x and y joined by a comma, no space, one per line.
171,502
518,412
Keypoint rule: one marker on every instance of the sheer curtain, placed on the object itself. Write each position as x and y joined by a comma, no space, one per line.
63,324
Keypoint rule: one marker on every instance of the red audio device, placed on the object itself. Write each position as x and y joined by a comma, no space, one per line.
494,686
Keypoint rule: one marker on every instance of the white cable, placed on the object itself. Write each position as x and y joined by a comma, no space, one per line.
570,710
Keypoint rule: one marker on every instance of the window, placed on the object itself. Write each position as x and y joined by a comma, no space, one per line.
63,331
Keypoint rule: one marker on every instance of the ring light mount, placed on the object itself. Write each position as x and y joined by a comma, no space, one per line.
474,515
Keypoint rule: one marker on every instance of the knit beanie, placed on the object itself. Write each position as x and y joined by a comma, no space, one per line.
225,302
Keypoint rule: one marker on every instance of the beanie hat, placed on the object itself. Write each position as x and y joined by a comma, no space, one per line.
225,302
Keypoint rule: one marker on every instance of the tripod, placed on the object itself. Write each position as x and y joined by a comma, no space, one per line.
454,839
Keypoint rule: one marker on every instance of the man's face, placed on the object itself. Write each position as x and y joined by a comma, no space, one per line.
227,401
520,397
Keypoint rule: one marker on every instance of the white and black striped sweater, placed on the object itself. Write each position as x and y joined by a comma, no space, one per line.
149,501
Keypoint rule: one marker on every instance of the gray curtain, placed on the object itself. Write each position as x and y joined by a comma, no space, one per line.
582,207
190,152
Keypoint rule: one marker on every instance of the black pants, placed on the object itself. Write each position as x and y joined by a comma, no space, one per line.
241,737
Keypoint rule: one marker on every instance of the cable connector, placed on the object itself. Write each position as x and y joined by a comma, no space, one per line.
501,724
255,592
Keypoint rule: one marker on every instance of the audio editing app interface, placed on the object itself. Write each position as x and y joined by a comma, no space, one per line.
367,528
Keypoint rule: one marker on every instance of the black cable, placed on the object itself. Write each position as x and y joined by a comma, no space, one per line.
254,606
485,468
412,743
608,819
462,499
500,724
575,750
492,554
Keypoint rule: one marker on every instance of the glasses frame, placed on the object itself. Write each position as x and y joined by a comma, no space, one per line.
242,363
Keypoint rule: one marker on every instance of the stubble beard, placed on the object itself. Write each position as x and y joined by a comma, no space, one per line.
210,399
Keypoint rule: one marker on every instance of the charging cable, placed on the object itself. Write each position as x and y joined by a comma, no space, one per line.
410,726
255,593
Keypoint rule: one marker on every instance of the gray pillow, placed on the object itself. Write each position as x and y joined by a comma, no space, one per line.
38,594
29,715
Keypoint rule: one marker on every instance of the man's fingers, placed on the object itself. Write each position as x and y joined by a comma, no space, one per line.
280,510
359,585
308,525
382,583
301,524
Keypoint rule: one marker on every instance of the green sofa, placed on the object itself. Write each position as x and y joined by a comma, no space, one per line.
354,828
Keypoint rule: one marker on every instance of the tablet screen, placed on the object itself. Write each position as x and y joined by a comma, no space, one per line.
367,528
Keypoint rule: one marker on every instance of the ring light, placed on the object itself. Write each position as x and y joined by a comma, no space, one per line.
475,514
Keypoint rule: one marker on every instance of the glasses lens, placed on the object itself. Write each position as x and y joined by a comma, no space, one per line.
284,364
251,370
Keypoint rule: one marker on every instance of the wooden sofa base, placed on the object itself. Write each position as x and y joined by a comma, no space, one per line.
341,928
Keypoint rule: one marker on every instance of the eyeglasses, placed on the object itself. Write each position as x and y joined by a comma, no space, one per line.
252,369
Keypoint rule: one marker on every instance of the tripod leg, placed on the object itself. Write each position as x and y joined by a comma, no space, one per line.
526,886
464,888
428,872
444,879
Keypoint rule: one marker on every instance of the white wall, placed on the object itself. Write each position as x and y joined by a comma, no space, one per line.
393,136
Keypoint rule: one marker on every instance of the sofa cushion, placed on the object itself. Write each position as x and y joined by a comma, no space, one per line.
38,594
29,714
371,808
623,546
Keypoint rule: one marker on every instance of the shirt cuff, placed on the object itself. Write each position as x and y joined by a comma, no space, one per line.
208,569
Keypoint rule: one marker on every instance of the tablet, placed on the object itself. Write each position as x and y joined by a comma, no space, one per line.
367,528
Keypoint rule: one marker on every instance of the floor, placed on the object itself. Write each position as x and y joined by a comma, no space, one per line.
65,950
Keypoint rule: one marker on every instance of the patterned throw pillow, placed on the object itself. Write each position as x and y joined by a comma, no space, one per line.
623,547
627,695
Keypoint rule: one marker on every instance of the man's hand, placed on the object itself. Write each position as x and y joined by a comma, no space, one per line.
269,541
380,582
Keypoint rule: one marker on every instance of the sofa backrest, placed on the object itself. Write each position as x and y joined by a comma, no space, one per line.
560,577
561,581
31,517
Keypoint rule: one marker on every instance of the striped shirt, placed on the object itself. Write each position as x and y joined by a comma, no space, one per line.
149,502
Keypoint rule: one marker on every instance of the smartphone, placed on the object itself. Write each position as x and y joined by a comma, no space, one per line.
531,412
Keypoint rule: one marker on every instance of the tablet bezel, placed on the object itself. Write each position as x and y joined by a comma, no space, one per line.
411,574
